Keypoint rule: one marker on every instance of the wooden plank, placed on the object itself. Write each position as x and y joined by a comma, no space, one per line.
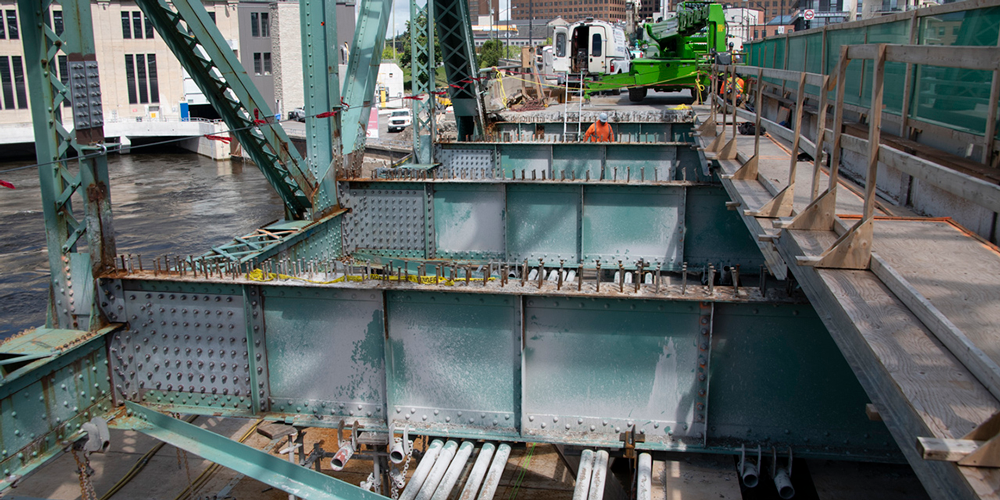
946,450
920,388
980,58
950,282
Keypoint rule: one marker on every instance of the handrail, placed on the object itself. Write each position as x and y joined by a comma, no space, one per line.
985,58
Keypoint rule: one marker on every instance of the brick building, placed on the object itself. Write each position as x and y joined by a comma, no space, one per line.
570,10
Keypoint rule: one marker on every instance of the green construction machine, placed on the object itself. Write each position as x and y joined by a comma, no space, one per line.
678,53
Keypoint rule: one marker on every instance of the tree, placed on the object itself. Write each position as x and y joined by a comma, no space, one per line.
490,53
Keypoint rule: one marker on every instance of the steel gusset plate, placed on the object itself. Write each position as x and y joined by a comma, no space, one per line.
596,368
185,347
385,219
468,163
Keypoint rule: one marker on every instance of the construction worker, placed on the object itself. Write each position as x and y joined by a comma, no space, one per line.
725,89
600,131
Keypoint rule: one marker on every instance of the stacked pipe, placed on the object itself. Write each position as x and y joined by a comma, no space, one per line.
591,475
443,464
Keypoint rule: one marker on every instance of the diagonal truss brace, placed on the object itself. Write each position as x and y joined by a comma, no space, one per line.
202,50
264,467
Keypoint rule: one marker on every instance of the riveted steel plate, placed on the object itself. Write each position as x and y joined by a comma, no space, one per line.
596,367
181,342
543,222
385,220
468,163
469,221
325,352
454,362
633,223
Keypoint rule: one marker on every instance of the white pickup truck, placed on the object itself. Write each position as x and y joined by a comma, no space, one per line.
399,119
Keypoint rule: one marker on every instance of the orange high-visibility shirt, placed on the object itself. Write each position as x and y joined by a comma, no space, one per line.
599,132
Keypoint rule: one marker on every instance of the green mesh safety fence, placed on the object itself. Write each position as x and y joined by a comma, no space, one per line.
954,98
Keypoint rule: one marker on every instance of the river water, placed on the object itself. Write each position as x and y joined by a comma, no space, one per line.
165,203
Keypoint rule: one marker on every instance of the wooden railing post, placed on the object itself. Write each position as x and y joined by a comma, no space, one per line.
781,204
853,249
821,213
748,171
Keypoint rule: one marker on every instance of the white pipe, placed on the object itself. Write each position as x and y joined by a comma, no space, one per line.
648,279
478,472
600,476
570,276
554,275
644,478
783,484
454,470
437,472
343,456
496,471
532,274
423,468
628,277
583,474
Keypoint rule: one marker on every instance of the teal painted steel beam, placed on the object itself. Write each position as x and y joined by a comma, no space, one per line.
362,75
458,53
422,73
202,50
53,381
264,467
321,74
71,302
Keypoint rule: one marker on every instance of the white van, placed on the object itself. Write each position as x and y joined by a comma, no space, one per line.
590,47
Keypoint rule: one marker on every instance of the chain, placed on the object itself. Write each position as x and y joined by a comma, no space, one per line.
186,464
406,467
83,471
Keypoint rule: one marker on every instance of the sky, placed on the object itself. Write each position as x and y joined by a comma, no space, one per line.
401,9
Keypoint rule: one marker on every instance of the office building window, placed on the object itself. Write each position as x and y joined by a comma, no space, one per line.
149,26
257,65
142,83
140,78
267,63
12,25
57,22
265,25
130,78
154,84
126,26
137,24
254,24
64,76
212,15
6,83
19,87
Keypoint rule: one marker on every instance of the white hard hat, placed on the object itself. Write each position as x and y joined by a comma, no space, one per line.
603,117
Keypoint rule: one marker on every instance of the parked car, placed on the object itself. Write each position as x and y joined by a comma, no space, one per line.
399,120
297,114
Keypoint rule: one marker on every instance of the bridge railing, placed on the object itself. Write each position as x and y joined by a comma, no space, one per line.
959,103
852,250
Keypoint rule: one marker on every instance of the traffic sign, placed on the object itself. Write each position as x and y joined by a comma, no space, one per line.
809,14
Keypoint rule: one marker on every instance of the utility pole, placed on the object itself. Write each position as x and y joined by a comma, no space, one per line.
531,20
